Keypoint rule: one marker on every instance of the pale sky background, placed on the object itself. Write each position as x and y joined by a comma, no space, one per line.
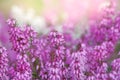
42,13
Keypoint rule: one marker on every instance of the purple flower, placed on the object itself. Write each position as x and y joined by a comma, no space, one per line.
105,29
115,71
58,56
3,62
52,52
56,38
20,38
21,70
78,65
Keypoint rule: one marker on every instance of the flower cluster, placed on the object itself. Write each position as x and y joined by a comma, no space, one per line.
3,63
20,38
52,55
59,56
21,70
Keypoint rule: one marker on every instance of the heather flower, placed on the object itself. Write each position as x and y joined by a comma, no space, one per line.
52,55
35,48
11,22
57,44
115,69
44,73
50,47
99,54
54,71
56,38
101,73
20,38
78,65
99,33
105,29
3,62
21,70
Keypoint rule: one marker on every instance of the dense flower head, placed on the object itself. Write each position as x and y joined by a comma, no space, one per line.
3,62
50,47
78,65
56,37
105,29
53,57
100,74
11,22
20,38
52,52
54,71
100,33
115,69
21,70
101,52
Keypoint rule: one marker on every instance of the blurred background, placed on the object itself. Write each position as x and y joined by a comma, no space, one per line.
44,14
